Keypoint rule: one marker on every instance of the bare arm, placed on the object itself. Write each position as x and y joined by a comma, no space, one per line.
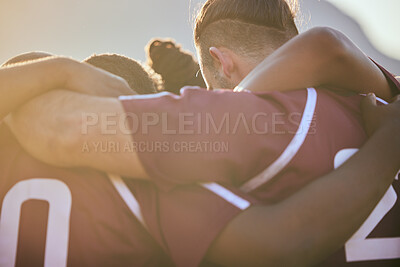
69,129
21,82
309,226
318,57
38,78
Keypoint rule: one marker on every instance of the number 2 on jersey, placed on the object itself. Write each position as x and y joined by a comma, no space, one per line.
361,248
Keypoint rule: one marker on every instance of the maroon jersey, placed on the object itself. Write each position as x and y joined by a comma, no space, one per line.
276,144
187,219
81,217
61,217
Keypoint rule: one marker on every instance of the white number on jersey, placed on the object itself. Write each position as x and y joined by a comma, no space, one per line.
58,195
361,248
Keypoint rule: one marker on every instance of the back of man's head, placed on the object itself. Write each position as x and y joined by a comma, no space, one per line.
251,28
140,78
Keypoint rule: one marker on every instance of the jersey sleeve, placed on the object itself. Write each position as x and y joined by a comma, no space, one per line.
393,83
210,136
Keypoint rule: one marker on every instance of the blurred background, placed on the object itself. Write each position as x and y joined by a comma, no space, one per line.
79,28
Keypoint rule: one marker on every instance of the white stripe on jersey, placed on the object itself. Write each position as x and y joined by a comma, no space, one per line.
148,96
291,150
382,101
378,99
227,195
128,197
134,206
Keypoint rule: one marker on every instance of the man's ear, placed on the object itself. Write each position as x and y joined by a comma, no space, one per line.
224,59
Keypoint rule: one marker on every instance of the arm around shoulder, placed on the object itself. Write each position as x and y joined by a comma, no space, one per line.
69,129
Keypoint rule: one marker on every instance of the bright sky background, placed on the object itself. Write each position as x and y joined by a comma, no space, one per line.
380,20
79,28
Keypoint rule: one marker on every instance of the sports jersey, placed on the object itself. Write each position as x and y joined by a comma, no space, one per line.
187,219
66,217
276,143
81,217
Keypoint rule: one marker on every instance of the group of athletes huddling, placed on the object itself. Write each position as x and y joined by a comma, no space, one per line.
108,162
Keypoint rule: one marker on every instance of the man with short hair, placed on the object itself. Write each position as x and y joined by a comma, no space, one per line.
252,29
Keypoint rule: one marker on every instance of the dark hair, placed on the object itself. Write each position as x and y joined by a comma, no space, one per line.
176,66
140,78
249,27
275,14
